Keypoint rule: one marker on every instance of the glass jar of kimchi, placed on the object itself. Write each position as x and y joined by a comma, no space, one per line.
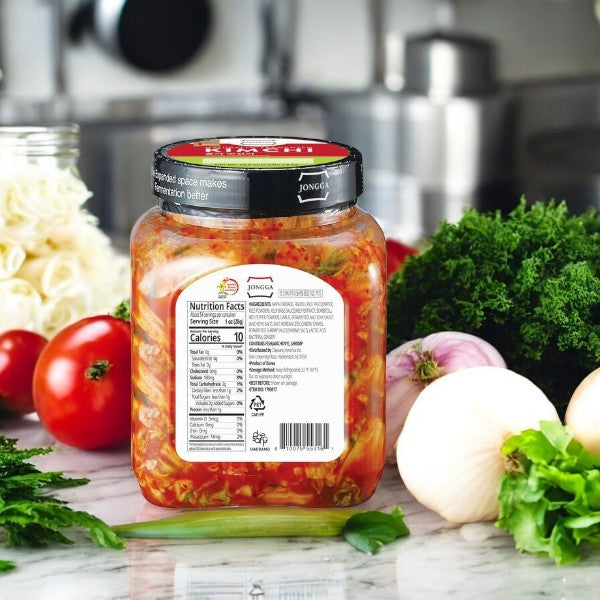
258,318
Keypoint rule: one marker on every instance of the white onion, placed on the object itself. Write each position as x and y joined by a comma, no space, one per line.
449,449
583,412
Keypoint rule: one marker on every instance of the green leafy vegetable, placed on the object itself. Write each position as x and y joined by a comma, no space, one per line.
370,530
29,517
367,531
550,498
6,565
528,283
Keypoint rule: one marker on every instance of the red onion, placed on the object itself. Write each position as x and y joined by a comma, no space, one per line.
417,363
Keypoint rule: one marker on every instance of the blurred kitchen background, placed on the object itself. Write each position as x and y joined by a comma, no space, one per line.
453,103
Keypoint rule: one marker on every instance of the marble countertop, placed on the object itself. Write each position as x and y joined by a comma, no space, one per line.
438,560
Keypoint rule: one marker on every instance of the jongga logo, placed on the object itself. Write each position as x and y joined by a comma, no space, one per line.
227,287
260,287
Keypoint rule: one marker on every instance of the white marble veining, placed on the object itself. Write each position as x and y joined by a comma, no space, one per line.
438,560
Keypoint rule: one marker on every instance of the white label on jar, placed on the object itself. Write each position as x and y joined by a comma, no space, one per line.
259,366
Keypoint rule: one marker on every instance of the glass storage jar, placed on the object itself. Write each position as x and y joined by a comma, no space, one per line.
54,146
258,319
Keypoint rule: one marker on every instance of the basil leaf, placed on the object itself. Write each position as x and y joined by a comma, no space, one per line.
368,531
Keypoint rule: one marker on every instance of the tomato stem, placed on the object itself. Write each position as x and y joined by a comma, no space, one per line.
98,370
122,311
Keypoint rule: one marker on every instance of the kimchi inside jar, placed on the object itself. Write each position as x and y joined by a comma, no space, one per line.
258,319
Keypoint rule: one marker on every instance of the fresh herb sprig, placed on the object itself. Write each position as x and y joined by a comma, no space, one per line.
29,517
550,498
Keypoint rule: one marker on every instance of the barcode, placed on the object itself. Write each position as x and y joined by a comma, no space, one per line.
304,435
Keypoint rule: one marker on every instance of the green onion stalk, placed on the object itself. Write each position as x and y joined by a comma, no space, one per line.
367,531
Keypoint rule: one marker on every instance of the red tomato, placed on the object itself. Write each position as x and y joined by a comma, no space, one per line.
19,351
82,382
396,255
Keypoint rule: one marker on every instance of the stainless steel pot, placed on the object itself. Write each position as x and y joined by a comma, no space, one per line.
444,65
443,157
445,140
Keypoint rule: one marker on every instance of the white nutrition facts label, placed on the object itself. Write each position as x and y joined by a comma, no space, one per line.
217,374
259,367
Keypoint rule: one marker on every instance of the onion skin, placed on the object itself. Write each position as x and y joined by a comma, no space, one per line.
583,412
449,451
415,364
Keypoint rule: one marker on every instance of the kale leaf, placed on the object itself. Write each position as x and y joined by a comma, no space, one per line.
527,282
550,498
29,516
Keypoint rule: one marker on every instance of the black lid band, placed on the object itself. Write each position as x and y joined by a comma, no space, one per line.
258,176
